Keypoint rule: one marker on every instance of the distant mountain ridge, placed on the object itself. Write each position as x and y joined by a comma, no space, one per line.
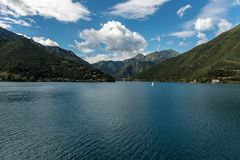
132,66
218,59
22,59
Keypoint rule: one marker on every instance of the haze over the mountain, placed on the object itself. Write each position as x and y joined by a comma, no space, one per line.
22,59
217,59
132,66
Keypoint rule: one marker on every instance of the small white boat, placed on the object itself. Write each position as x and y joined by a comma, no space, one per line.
152,84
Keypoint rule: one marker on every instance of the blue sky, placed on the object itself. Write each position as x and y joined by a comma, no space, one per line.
119,29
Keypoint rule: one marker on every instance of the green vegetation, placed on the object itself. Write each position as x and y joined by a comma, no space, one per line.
22,59
217,59
128,68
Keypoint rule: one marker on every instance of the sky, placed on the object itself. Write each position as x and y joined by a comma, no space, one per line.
119,29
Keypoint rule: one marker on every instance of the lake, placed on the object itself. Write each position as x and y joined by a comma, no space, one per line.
119,121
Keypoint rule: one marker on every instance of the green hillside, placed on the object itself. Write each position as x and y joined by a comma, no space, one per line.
217,59
22,59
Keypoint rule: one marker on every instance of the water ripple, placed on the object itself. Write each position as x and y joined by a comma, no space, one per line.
122,121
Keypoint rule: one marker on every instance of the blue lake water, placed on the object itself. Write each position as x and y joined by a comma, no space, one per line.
119,121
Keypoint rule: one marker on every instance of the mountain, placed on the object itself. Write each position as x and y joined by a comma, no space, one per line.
218,59
132,66
22,59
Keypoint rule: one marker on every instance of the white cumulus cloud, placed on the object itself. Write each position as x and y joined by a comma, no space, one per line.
107,57
223,26
113,36
114,39
211,17
62,10
203,24
183,9
202,38
214,10
24,35
44,41
41,40
98,58
136,9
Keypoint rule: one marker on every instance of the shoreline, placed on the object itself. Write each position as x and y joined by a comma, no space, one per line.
91,82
